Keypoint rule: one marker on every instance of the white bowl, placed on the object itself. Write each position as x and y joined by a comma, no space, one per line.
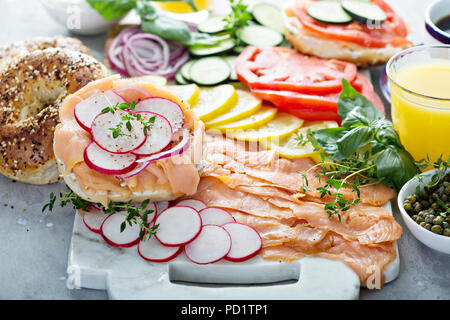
77,16
428,238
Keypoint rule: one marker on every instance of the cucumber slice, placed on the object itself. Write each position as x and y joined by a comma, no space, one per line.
231,60
364,12
328,12
212,25
206,50
269,16
185,70
179,78
210,71
260,36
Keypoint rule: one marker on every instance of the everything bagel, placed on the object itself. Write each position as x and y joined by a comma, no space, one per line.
32,88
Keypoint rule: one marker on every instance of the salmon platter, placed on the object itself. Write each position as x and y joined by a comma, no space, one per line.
232,150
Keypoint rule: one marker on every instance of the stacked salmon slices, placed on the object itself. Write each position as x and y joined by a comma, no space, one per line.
265,192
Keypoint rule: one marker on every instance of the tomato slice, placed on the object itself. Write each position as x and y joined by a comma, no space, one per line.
316,107
392,31
278,68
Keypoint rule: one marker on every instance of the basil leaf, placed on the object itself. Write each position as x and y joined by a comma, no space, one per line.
327,138
350,99
357,116
396,166
355,139
112,9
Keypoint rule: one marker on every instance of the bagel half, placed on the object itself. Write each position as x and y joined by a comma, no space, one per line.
311,43
71,140
32,88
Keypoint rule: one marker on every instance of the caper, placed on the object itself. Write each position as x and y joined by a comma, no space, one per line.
437,229
427,226
407,206
425,203
429,218
414,217
420,219
412,198
423,194
435,206
438,220
422,224
445,225
446,232
444,198
417,207
435,196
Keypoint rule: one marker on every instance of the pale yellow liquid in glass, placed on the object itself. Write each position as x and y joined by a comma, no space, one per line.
182,7
423,123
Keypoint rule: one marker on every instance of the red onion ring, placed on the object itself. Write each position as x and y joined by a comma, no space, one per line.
136,53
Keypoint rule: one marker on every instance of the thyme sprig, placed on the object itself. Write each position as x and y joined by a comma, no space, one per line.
126,118
135,214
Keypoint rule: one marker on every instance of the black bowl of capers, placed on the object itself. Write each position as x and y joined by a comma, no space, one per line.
424,203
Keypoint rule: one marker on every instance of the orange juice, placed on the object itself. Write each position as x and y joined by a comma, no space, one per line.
420,94
183,7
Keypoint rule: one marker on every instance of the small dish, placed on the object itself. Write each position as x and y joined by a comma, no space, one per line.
436,11
432,240
77,16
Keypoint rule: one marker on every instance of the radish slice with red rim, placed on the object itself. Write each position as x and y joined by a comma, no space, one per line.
179,148
245,242
86,111
212,244
103,135
193,203
165,107
158,137
110,231
216,216
154,251
132,93
106,162
94,218
178,226
143,163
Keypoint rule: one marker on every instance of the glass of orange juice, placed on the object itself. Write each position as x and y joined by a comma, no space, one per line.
419,79
183,7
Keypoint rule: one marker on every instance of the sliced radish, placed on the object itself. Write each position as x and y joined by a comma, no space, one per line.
158,137
103,136
132,93
212,244
110,231
94,218
150,206
86,111
153,250
179,148
161,206
245,242
193,203
178,226
165,107
106,162
215,216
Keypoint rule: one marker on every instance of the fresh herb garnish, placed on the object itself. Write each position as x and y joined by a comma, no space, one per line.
442,166
126,118
238,18
134,214
365,150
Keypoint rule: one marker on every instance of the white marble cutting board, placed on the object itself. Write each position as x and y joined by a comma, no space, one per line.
125,275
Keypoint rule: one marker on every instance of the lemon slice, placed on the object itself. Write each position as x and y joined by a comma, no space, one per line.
246,105
295,145
188,92
157,80
264,115
214,101
282,125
